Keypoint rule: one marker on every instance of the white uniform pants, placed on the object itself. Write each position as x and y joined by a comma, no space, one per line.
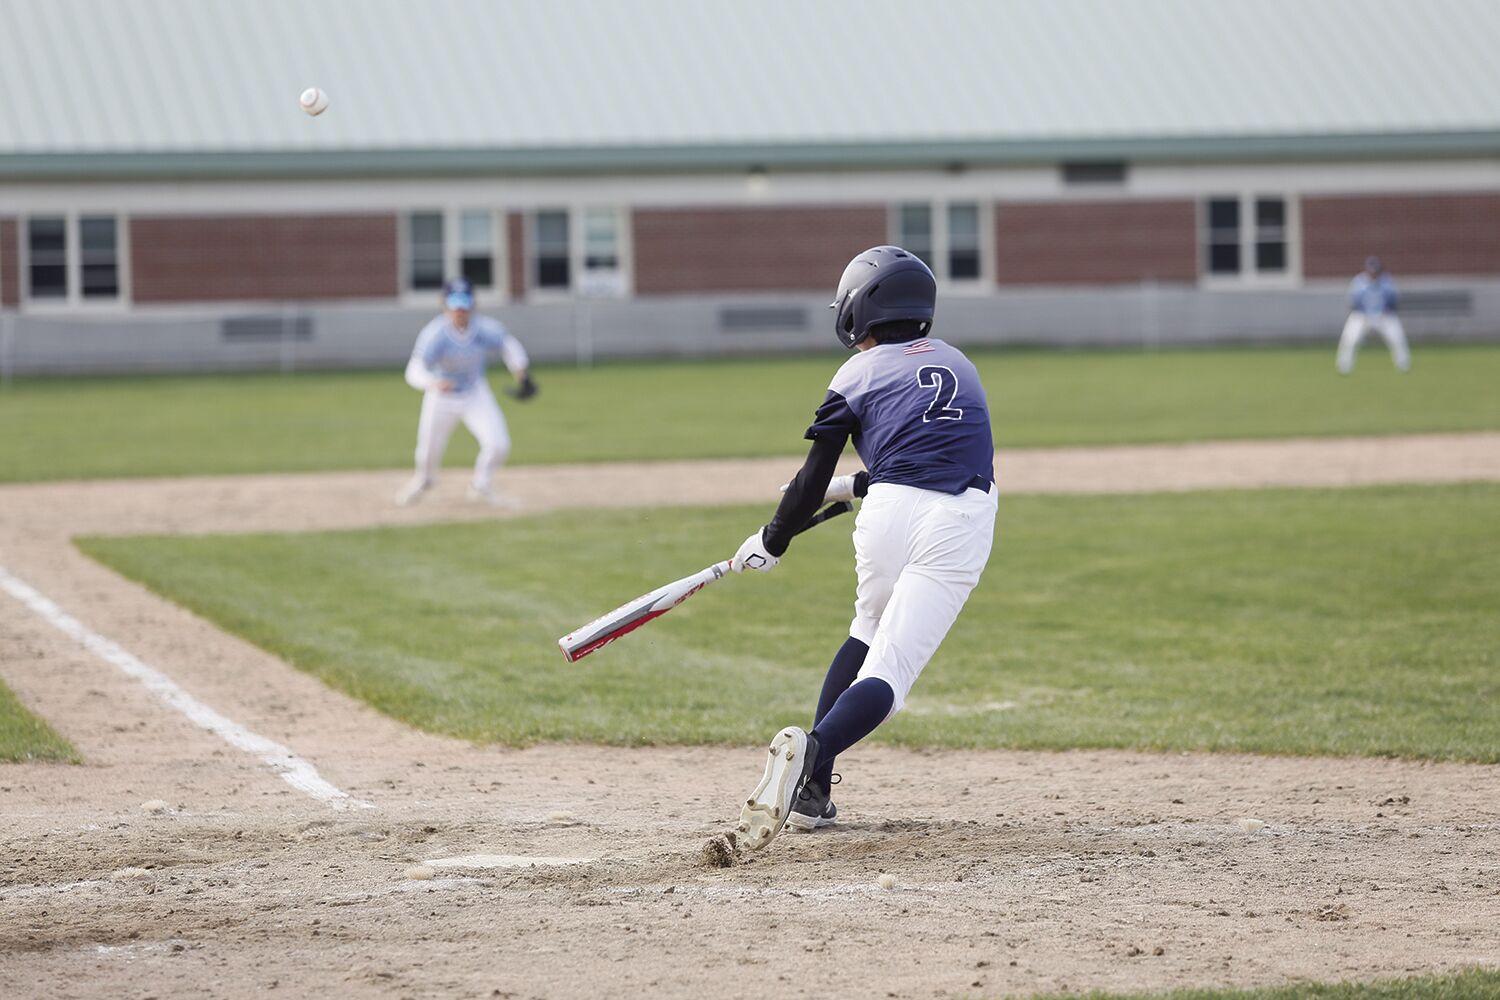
1359,324
918,554
479,412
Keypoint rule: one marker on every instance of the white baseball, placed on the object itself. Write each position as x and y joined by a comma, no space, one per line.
313,101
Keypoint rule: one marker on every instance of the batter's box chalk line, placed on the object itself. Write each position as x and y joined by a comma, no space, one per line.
288,766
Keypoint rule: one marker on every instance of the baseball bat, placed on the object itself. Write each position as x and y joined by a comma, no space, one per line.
633,614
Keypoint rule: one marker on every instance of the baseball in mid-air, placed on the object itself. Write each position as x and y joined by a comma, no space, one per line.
313,101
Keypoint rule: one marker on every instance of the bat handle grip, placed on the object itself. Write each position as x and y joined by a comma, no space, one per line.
721,569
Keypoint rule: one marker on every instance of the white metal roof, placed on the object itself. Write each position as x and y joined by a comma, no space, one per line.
155,85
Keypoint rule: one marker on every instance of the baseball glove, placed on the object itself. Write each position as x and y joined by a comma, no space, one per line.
524,391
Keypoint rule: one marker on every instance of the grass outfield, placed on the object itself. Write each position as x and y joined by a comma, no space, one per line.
1355,621
23,736
66,429
1472,984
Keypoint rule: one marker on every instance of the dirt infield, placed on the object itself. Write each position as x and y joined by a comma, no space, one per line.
1014,872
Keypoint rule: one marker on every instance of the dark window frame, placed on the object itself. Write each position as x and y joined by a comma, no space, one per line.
99,275
427,279
551,261
480,265
53,260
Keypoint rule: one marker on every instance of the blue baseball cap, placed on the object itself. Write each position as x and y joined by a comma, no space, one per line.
458,293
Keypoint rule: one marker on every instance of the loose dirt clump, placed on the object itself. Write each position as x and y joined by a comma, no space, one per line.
720,851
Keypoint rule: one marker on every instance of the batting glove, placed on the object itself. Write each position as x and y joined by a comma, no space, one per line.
753,555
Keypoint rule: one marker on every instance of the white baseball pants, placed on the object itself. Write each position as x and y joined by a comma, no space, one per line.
479,412
917,554
1359,324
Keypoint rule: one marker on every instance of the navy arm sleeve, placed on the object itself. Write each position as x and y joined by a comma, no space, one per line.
804,493
830,431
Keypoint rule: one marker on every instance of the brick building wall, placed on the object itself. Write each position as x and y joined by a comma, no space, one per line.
10,263
780,248
515,253
1095,242
242,257
1457,234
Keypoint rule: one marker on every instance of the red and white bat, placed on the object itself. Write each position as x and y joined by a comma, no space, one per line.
632,615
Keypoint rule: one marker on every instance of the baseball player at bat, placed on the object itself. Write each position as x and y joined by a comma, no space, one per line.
447,366
918,417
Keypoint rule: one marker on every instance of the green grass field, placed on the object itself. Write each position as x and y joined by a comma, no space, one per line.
200,425
1305,622
1472,984
23,736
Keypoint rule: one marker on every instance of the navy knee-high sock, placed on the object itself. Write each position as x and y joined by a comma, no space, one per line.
841,673
853,717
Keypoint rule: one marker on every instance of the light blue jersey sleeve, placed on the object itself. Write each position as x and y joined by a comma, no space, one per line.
495,337
429,346
489,332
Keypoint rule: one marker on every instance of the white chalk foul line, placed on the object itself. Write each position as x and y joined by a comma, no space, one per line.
293,769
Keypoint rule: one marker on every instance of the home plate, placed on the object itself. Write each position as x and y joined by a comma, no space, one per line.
506,861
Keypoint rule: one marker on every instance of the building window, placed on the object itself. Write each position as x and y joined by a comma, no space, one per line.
1249,237
601,240
914,230
99,257
1270,235
963,242
603,258
550,249
949,237
476,250
47,257
424,250
1223,236
74,259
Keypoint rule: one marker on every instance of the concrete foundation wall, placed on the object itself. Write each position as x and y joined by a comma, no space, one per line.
354,336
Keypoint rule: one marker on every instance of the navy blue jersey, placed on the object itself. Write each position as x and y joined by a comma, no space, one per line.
917,413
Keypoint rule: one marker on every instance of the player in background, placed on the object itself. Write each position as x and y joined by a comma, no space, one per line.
447,365
1372,303
920,422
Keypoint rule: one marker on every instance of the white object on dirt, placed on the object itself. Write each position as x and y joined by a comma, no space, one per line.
154,806
135,880
130,875
886,880
421,872
1251,825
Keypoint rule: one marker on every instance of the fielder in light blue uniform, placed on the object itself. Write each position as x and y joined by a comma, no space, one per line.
448,366
1372,306
918,416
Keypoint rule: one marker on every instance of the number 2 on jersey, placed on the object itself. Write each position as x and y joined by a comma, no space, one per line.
946,383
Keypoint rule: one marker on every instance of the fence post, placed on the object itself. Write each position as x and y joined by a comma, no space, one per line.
7,346
1150,315
288,333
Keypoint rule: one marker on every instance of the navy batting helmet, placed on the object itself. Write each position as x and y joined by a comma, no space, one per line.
882,285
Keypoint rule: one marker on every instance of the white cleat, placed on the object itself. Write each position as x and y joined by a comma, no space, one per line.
488,496
766,810
412,491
